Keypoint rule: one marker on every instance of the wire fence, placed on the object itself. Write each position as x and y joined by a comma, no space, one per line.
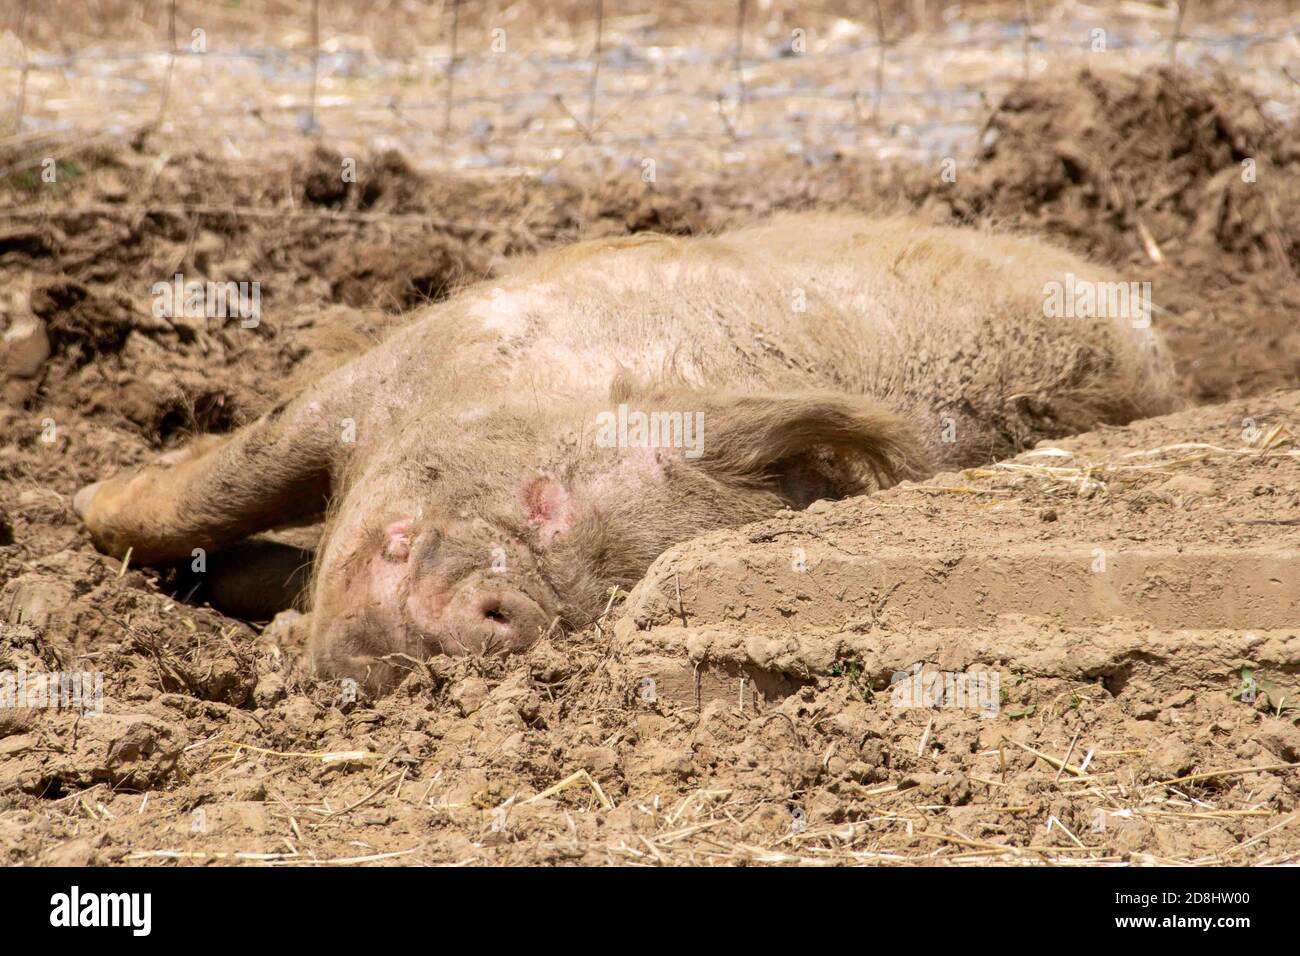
482,105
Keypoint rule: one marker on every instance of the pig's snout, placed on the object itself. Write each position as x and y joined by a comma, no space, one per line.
423,592
484,619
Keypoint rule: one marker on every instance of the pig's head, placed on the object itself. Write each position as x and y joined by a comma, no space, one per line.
521,522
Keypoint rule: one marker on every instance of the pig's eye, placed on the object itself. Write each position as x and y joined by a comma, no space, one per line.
427,544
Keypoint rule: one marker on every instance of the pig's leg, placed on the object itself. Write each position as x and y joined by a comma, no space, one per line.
269,473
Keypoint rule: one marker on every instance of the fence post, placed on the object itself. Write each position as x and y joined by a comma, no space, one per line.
1178,29
451,70
22,76
171,64
741,10
1027,28
880,63
595,67
315,65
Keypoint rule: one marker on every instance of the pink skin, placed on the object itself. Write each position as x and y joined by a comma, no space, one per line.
546,506
418,582
407,600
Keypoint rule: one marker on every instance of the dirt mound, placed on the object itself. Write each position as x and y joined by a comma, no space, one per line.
1106,158
1175,177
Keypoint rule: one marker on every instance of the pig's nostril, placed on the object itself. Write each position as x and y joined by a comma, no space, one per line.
494,612
492,621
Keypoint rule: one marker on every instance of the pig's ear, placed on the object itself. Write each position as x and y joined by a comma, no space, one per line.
546,505
811,445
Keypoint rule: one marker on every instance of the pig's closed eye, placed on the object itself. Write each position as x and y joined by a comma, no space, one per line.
426,550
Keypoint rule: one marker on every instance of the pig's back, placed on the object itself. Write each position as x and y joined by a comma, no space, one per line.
946,323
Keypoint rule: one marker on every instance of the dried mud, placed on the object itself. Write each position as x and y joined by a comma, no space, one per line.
215,747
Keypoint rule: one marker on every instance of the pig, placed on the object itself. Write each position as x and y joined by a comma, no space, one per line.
496,465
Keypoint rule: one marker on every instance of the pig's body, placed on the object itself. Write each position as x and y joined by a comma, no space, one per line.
475,498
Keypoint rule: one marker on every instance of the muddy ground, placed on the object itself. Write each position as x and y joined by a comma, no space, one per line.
214,746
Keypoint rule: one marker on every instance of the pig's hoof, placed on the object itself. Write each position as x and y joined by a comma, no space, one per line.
81,500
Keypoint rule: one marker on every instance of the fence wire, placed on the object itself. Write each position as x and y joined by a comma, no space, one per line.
920,93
